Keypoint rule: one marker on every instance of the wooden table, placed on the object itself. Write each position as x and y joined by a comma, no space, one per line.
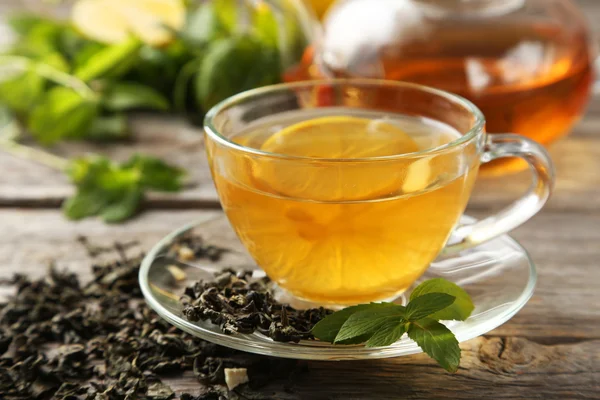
550,350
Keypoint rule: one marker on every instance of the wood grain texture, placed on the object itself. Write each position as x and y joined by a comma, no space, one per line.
565,307
550,350
169,138
491,368
577,160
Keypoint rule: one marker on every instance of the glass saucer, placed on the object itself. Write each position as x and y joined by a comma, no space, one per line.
499,276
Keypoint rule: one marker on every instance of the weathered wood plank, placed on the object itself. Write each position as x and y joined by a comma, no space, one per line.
33,238
169,138
566,305
550,350
494,368
577,160
491,368
565,249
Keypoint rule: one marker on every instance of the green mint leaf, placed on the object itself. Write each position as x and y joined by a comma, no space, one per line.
22,90
356,340
83,171
124,96
202,25
83,204
71,43
115,192
96,173
56,61
182,81
388,334
23,22
462,307
61,113
108,128
227,14
111,61
233,65
328,328
21,85
84,52
437,341
40,40
159,67
223,70
266,69
369,321
102,188
292,39
427,304
126,206
265,25
156,174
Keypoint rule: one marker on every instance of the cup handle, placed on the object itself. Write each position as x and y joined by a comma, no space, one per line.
509,145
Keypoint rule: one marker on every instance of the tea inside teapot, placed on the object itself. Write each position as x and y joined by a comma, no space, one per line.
527,64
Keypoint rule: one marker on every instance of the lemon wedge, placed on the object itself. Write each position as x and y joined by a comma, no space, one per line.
338,137
112,21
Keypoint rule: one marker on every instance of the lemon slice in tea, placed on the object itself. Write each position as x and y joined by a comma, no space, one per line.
338,137
341,137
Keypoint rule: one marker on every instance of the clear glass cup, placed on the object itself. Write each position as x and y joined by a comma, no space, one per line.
365,234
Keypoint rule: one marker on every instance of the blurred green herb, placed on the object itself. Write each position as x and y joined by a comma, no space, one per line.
115,191
103,188
382,324
60,113
229,66
112,61
61,85
124,96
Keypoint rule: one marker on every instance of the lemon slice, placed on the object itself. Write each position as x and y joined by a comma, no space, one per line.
99,21
341,137
338,137
112,21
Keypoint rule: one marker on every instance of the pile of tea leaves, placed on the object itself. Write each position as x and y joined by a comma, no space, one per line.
240,304
61,339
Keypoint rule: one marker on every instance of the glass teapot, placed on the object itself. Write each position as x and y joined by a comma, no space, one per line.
527,64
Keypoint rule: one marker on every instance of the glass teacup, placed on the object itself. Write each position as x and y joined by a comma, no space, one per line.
345,191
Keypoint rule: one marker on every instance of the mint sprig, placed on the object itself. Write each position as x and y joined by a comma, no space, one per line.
460,310
437,341
382,324
114,191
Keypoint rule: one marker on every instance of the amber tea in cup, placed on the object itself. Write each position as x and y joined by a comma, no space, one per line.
350,203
